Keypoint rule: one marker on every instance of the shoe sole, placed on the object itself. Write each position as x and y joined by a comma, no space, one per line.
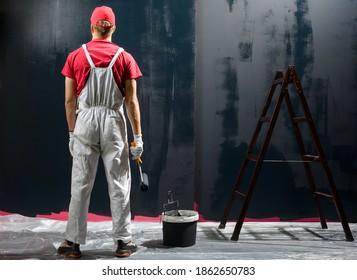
72,256
123,255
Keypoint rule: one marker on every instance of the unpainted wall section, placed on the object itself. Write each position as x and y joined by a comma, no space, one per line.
240,46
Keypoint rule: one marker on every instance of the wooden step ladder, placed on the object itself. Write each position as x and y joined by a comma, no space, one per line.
290,78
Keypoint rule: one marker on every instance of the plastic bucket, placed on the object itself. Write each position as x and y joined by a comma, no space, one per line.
179,230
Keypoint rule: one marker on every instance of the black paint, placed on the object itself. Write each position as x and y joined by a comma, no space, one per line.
35,163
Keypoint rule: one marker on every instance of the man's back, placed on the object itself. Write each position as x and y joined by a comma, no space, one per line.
101,52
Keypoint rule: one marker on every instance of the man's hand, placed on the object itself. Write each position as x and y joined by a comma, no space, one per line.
136,148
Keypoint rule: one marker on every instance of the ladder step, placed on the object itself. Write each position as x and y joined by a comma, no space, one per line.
324,195
265,119
252,157
278,81
240,195
300,119
310,158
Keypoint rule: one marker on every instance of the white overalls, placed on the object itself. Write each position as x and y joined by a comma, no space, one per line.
100,131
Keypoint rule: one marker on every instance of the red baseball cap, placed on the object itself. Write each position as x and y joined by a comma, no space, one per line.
103,13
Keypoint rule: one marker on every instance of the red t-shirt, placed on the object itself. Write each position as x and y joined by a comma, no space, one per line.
102,52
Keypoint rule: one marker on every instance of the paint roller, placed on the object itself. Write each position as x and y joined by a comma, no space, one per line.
144,179
171,206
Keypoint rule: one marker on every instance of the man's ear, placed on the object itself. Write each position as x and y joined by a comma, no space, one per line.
114,28
91,28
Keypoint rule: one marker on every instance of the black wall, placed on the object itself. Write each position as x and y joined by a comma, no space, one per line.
36,37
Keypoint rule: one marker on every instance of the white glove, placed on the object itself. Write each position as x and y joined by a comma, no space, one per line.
70,145
136,148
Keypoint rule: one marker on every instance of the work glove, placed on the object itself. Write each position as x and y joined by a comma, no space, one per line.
71,141
136,148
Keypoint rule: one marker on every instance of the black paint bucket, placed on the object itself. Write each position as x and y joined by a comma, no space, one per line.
179,230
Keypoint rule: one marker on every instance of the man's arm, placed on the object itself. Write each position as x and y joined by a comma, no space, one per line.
132,106
70,102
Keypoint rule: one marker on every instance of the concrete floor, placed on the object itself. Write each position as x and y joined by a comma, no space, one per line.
37,238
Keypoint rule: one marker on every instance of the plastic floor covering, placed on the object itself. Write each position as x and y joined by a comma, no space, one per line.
37,238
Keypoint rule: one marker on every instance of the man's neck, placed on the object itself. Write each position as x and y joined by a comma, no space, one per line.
96,37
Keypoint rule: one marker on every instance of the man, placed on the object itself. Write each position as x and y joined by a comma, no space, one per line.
99,78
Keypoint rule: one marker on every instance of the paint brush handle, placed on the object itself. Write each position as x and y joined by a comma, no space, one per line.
144,186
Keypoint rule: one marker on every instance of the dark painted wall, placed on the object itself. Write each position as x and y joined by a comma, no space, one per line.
207,66
36,37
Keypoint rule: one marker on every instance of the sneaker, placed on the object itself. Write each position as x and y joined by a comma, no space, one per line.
124,250
70,250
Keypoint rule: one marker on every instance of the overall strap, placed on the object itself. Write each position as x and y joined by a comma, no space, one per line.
120,50
88,56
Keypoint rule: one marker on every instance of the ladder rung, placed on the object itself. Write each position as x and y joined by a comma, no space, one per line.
310,158
265,119
278,81
252,157
240,195
300,119
324,195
